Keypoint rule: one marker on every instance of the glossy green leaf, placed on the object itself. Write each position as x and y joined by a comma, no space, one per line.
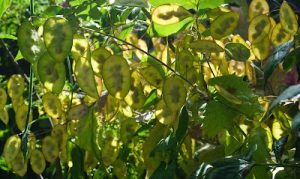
296,122
291,60
297,152
237,51
201,171
287,94
4,4
276,58
278,147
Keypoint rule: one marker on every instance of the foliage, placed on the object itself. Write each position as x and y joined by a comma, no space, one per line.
149,89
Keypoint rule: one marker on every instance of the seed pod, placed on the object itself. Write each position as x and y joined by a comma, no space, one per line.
60,134
258,7
58,38
279,35
184,62
11,148
15,86
17,102
50,148
151,74
21,117
37,161
29,42
261,49
224,25
52,105
4,117
3,98
174,93
85,77
116,76
259,28
164,114
288,19
51,73
135,97
99,56
19,164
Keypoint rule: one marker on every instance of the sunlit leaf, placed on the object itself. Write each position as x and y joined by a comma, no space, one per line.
217,117
4,4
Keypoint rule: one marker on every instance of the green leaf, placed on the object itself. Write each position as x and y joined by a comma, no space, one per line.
166,30
165,144
126,31
87,132
204,4
77,160
217,117
182,125
188,4
276,58
236,87
164,170
296,122
151,99
233,140
51,11
291,60
4,4
237,51
19,56
287,94
259,136
8,36
297,152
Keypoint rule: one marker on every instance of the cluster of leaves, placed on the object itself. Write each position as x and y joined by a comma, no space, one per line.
158,89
